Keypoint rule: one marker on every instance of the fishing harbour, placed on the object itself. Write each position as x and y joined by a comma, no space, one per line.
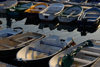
41,33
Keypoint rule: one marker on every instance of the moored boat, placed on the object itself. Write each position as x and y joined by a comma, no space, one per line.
17,12
8,3
82,55
10,46
33,13
5,4
70,14
90,19
38,53
7,32
51,12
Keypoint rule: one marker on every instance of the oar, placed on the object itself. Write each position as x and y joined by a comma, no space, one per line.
71,14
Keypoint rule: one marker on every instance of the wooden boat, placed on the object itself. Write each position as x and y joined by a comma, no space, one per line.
37,8
97,63
5,4
7,32
17,12
33,13
90,19
21,6
51,12
82,55
10,46
8,3
70,14
41,51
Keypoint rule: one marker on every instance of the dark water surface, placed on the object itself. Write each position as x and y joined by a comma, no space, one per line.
63,33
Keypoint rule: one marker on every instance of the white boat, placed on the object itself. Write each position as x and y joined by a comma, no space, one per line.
41,51
70,14
81,55
7,32
51,12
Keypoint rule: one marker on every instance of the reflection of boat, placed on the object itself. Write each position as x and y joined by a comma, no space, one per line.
68,27
10,32
80,55
37,8
41,51
90,19
70,14
51,12
10,46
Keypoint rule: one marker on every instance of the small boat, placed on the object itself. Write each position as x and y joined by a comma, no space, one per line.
70,14
41,51
21,6
81,55
5,4
17,12
7,32
8,3
90,19
37,8
10,46
51,12
33,13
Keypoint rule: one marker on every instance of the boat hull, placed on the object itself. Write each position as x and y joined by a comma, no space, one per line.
85,58
15,43
47,17
66,20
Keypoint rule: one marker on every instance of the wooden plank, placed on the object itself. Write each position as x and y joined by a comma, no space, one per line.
90,53
82,60
96,64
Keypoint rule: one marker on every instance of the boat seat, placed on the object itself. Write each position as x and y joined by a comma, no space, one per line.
55,45
92,15
6,45
82,60
90,53
52,41
39,50
91,19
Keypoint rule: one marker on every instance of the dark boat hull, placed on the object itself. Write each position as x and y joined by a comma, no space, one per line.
11,60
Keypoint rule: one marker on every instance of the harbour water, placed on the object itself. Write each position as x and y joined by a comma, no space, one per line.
63,33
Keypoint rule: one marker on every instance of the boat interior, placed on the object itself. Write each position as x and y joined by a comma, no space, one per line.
85,57
54,8
18,40
41,49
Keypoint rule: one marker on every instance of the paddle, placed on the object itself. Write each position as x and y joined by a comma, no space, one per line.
71,14
68,60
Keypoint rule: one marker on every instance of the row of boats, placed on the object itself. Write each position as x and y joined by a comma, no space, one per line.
30,49
45,14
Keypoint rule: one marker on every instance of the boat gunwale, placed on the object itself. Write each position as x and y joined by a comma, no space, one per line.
24,43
